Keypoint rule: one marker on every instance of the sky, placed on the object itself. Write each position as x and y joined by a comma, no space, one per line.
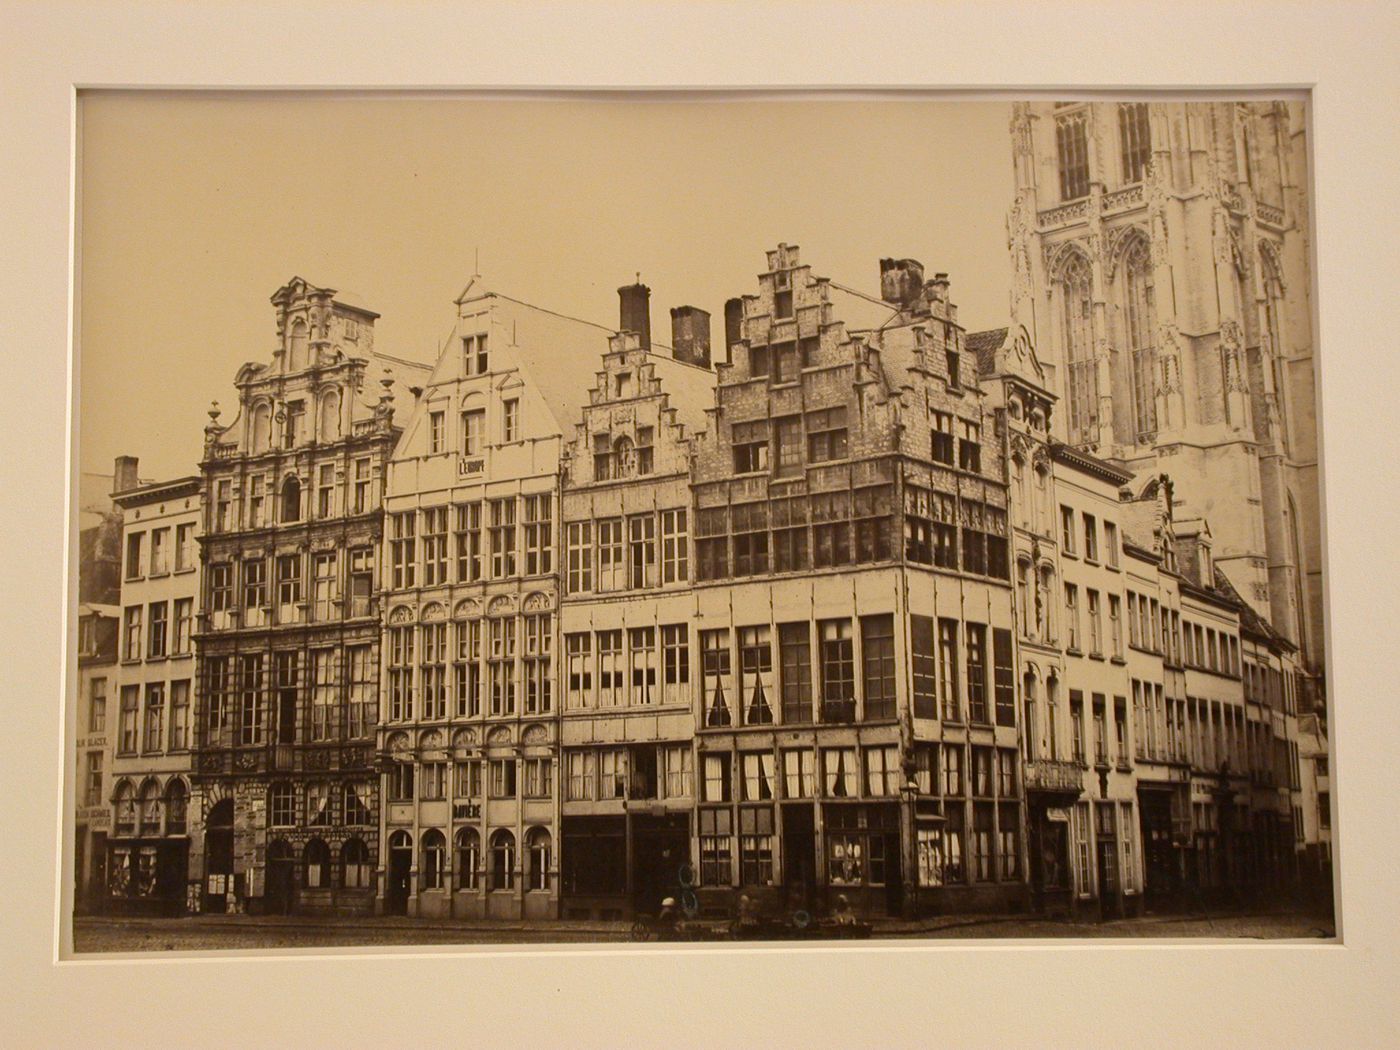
194,211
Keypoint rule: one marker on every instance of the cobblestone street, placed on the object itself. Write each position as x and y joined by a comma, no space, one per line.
100,935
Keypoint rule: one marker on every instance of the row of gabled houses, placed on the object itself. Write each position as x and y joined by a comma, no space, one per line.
570,622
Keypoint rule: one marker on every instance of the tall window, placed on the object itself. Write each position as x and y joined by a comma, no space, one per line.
578,553
641,551
942,448
539,541
537,844
977,672
434,546
641,646
323,585
360,494
468,543
400,673
1274,351
675,552
675,655
434,671
750,443
473,424
325,490
796,654
437,431
250,699
1075,288
578,658
877,653
403,549
1139,336
538,679
510,420
715,670
1072,149
501,665
156,637
1134,140
1003,677
160,551
922,659
1071,616
155,717
503,538
609,668
131,626
716,846
186,552
466,669
838,671
611,566
323,692
948,669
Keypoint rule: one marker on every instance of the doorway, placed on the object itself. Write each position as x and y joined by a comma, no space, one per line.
280,892
218,857
400,864
799,856
660,852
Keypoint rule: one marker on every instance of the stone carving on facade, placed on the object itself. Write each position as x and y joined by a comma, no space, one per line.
499,735
463,738
433,611
431,740
536,601
401,614
466,608
535,734
501,605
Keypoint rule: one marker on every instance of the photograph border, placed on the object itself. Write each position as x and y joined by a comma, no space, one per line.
68,48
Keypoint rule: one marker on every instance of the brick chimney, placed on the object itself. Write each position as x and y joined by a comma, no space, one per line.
733,324
634,302
124,475
690,335
901,281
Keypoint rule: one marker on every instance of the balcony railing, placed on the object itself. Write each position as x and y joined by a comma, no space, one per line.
1054,775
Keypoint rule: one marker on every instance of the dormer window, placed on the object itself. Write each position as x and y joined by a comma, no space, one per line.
623,385
475,360
953,362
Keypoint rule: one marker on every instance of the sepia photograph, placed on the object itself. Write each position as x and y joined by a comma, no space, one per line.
612,520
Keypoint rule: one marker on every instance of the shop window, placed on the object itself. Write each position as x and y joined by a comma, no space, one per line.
317,859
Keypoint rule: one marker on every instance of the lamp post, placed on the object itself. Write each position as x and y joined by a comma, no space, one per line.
908,793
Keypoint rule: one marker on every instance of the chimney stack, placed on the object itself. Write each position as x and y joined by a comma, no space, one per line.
635,312
733,324
901,281
124,476
690,335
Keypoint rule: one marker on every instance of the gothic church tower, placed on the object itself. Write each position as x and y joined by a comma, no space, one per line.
1160,257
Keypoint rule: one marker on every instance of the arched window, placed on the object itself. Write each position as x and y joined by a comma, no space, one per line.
354,865
1030,745
1077,340
468,858
1052,716
318,864
537,844
150,808
296,358
434,859
502,860
330,416
1043,625
124,801
1139,325
1018,479
177,798
291,499
262,427
624,457
1042,500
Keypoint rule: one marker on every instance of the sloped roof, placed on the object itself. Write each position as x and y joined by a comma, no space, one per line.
560,355
690,389
1250,620
985,346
